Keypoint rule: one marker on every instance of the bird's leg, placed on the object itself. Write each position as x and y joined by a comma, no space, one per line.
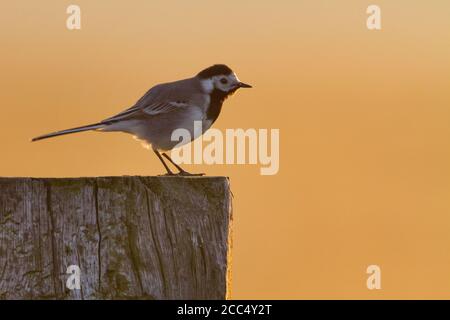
182,171
172,162
169,172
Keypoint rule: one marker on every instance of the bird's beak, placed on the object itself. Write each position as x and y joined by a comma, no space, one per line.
244,85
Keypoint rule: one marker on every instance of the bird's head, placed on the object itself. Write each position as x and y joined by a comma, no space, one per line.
222,78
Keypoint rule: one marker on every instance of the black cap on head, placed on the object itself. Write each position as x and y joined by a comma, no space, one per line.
214,70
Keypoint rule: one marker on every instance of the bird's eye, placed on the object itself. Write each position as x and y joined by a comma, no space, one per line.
224,80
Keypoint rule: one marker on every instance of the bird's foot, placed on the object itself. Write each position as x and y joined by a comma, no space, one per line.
181,174
188,174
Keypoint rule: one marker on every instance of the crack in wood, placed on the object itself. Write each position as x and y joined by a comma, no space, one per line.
158,251
55,268
99,245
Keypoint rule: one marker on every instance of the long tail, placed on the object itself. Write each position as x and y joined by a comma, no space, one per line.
73,130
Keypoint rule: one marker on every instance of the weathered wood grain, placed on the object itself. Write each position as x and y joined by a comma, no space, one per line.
132,237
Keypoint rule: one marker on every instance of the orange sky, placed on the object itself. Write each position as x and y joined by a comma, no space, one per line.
363,116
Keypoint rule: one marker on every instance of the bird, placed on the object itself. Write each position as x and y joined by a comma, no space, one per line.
169,106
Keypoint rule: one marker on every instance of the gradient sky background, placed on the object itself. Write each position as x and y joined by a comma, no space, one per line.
364,119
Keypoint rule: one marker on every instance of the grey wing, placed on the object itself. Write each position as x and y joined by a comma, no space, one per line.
163,98
151,110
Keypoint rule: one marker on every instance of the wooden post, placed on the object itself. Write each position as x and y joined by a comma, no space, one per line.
131,237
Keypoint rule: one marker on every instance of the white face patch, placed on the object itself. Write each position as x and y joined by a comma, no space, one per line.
225,82
208,85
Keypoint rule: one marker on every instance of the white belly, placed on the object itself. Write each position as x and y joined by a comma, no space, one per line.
161,131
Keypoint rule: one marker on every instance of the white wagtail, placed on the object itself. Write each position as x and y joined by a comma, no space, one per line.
170,106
